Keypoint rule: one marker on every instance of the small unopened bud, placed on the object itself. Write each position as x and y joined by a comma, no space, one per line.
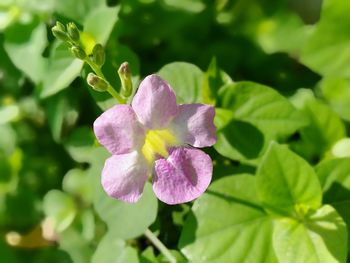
78,52
59,33
97,83
60,26
73,31
125,78
98,55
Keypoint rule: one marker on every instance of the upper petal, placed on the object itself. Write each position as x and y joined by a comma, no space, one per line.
124,176
118,129
155,102
183,176
194,125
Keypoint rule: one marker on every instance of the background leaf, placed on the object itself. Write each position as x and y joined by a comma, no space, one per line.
25,49
186,79
124,220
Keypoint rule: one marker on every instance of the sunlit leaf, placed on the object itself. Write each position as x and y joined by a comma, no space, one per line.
286,182
228,225
320,237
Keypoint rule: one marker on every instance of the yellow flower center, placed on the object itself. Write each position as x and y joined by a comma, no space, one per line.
157,142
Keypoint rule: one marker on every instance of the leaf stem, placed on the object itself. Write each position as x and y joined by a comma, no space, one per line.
99,73
160,246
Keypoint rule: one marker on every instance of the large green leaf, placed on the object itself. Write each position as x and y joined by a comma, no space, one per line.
25,48
127,220
258,115
240,140
186,79
334,176
228,225
111,249
328,49
263,107
320,237
286,182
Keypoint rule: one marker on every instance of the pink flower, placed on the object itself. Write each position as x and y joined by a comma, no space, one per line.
154,136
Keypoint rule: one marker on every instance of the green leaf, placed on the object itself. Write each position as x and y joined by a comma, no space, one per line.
324,129
186,79
258,115
337,93
282,32
112,249
77,182
25,49
127,220
321,237
328,50
77,9
10,165
341,148
7,139
87,219
62,113
263,107
100,22
212,82
62,69
228,225
335,181
286,182
75,245
59,207
240,140
9,113
80,143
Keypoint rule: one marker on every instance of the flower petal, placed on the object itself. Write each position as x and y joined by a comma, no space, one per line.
118,130
194,125
124,176
183,176
155,103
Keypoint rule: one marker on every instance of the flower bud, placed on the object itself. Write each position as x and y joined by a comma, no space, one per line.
73,32
98,55
60,26
78,52
59,33
125,78
97,83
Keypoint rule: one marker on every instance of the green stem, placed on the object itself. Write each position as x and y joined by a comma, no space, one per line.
110,89
158,244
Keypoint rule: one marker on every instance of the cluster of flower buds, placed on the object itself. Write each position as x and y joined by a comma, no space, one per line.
71,35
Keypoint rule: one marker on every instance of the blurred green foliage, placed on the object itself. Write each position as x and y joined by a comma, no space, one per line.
275,71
